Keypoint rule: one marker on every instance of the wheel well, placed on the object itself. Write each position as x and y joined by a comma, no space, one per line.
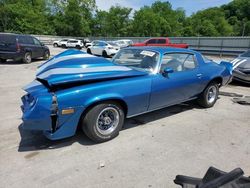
218,80
28,50
113,101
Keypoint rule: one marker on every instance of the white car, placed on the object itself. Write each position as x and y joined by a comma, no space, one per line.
60,43
105,49
74,43
87,43
124,43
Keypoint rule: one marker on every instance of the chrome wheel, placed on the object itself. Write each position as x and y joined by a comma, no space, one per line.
107,120
211,94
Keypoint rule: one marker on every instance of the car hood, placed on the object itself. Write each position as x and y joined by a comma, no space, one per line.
78,67
241,63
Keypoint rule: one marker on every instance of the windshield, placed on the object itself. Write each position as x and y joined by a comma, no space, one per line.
112,43
137,58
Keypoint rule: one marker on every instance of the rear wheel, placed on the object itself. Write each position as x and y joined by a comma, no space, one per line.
104,54
3,60
46,55
63,46
89,51
27,58
209,96
103,122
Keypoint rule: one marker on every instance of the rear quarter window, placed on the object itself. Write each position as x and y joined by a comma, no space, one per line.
25,39
7,39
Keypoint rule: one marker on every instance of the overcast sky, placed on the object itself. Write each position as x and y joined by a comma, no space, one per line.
189,6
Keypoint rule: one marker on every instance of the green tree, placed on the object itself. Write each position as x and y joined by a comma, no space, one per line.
115,22
211,22
73,17
25,16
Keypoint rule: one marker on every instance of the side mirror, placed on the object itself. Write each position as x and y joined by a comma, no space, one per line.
42,44
166,71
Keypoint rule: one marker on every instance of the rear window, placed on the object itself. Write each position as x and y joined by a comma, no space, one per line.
7,39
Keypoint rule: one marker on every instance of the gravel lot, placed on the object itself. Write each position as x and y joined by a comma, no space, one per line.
149,152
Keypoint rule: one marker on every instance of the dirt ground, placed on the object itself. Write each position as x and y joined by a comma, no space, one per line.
149,152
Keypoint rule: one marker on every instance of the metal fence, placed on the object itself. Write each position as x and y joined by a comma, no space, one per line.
206,45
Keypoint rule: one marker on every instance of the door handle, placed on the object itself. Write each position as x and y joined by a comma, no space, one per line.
199,75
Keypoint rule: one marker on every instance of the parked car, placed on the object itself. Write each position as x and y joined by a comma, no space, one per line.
160,42
77,89
124,43
241,67
60,43
91,43
74,43
105,49
21,47
87,43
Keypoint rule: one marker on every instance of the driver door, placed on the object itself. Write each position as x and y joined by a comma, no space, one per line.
38,50
181,85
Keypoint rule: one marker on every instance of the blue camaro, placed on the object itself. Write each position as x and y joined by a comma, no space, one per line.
77,89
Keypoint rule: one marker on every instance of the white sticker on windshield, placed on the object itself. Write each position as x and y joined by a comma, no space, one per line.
147,53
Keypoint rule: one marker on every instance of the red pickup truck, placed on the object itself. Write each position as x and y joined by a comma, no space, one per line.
160,42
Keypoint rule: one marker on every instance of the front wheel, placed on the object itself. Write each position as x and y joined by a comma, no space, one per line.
78,47
55,45
209,96
103,122
89,51
104,54
46,55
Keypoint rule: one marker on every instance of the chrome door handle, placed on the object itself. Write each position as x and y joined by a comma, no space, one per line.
199,75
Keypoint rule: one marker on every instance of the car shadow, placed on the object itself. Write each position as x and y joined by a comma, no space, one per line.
12,62
238,83
35,140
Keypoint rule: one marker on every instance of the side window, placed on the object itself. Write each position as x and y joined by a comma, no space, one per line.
151,41
22,40
101,44
29,40
36,42
178,62
161,41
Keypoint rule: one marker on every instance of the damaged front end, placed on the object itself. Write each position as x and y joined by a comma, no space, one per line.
36,107
41,112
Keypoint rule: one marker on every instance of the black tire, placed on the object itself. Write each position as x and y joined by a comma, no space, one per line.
3,60
63,46
55,45
27,58
94,122
209,96
78,47
104,54
89,51
46,55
